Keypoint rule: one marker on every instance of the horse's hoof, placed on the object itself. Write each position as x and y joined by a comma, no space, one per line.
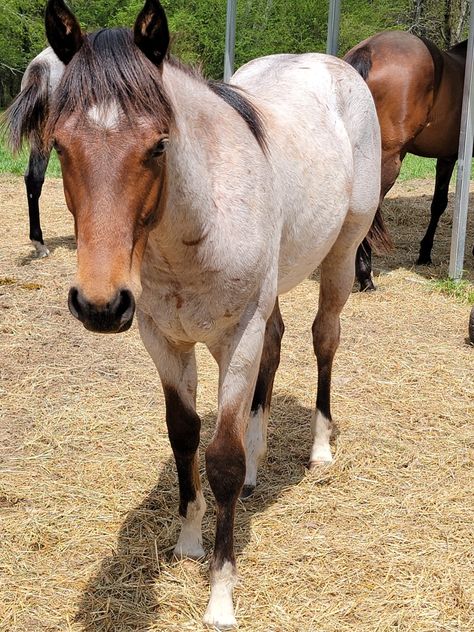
219,622
424,261
41,250
189,551
315,465
471,326
247,491
367,286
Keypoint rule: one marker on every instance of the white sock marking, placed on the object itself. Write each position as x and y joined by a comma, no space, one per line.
220,609
190,538
41,250
321,431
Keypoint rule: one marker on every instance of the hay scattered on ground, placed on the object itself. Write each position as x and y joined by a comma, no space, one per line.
382,540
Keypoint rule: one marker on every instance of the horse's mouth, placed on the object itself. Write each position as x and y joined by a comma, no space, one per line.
101,329
112,318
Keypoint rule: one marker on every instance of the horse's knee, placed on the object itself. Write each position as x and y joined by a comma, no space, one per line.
225,467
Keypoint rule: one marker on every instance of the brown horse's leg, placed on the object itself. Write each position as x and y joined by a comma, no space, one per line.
444,171
177,370
34,179
256,435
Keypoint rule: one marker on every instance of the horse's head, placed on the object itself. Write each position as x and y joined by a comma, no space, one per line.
109,123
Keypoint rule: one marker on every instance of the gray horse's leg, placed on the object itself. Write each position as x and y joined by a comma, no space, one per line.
34,179
256,435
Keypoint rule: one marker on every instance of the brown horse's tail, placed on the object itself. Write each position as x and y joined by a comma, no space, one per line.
25,119
378,236
360,59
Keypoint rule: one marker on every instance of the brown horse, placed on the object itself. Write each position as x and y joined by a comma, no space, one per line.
417,90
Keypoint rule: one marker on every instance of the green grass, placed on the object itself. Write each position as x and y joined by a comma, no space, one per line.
416,167
17,164
412,167
462,291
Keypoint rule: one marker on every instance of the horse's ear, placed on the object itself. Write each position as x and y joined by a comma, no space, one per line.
151,33
62,30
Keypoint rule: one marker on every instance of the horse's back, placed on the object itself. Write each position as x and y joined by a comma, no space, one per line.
324,142
49,65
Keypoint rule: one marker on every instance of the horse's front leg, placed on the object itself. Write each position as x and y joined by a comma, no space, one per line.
177,370
238,356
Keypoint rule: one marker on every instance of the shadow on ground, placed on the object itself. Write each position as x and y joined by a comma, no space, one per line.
122,595
63,241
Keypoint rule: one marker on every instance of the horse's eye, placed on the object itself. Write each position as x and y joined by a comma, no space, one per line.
159,148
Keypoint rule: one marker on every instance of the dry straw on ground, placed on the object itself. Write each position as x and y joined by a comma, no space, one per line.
383,540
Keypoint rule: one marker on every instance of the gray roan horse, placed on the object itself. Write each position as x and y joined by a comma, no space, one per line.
196,204
26,118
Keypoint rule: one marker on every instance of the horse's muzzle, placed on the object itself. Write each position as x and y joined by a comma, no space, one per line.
112,318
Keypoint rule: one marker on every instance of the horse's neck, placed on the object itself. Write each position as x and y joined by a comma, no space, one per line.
206,157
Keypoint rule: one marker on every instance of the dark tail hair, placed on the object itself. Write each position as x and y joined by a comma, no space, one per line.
360,59
378,236
24,120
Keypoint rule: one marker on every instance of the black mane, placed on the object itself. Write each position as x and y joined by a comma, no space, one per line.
110,67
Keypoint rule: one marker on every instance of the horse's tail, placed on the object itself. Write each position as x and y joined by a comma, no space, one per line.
25,119
378,236
360,58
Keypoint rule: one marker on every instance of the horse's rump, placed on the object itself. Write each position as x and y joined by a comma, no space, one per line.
26,116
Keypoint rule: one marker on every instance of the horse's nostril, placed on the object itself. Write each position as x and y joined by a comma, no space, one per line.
73,302
126,305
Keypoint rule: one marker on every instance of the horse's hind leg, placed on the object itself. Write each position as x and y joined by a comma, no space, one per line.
34,179
444,171
337,277
177,370
364,267
256,435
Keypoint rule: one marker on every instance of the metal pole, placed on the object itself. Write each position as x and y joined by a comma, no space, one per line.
333,27
229,39
458,235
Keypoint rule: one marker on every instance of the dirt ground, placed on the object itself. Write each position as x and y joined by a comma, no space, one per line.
381,541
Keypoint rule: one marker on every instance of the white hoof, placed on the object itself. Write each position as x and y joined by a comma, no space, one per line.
186,549
219,617
41,250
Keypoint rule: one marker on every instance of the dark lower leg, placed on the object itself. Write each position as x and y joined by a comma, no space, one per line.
444,171
364,267
326,333
183,429
225,465
34,179
256,436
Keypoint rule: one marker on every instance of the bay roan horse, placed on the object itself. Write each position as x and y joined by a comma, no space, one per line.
196,204
26,118
417,90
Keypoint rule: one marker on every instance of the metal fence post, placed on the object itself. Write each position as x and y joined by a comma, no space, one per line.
229,39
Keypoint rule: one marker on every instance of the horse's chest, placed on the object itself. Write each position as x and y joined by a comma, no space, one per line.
192,314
